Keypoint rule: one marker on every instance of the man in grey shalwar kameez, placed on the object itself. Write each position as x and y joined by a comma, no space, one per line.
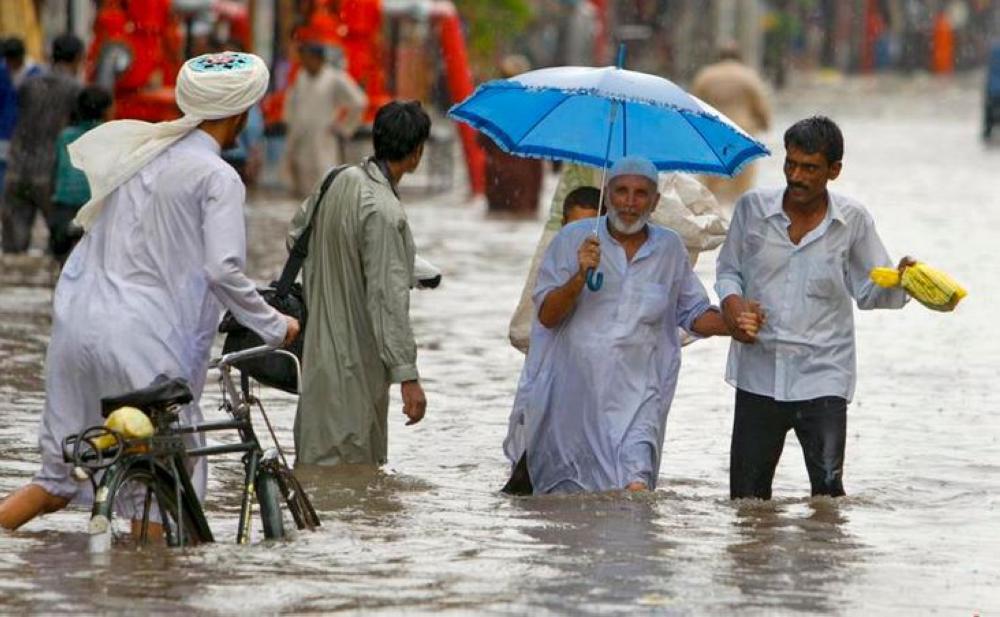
357,279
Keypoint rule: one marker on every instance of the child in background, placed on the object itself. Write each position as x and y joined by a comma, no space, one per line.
93,106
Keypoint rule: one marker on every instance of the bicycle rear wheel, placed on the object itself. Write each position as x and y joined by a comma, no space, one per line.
151,491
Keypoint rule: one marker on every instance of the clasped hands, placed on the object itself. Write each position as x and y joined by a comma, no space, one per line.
744,318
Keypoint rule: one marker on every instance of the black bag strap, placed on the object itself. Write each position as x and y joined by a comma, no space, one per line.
301,247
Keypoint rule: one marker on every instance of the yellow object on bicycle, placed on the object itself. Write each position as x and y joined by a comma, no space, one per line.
129,422
932,288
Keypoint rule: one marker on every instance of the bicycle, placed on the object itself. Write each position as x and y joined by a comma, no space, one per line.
153,467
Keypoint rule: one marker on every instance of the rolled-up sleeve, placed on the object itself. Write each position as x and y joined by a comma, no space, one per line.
224,237
729,278
388,268
559,265
867,252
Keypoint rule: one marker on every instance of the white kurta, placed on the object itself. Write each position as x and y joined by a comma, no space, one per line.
142,293
320,111
592,403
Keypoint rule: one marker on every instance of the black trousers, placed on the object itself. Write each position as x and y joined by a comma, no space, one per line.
759,430
22,200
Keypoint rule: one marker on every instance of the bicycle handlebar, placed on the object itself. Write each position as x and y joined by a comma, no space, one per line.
244,354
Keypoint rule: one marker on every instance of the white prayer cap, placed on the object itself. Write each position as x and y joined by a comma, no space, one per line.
214,86
634,166
209,87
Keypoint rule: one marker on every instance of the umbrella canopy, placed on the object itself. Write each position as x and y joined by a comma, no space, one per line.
570,113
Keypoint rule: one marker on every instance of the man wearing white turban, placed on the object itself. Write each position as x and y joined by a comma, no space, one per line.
142,293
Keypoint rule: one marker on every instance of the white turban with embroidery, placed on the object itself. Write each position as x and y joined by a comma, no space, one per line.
209,87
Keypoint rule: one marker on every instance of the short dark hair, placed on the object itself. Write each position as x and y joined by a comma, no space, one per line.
91,104
13,49
587,197
817,134
67,48
400,128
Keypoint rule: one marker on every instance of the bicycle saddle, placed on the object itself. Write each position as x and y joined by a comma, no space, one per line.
162,392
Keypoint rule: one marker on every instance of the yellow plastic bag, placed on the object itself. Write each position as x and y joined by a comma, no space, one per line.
932,288
130,422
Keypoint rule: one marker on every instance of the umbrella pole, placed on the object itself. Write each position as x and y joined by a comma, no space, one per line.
596,279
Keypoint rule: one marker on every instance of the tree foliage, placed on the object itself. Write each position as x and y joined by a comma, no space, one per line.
490,24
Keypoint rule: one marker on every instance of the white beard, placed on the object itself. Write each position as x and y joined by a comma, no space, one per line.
621,227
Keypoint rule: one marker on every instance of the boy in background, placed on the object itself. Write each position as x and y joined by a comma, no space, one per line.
93,107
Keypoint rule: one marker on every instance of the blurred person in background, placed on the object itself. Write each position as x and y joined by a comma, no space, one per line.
513,183
20,66
45,105
324,106
737,91
8,113
93,107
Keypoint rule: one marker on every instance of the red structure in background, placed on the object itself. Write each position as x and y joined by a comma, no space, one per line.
357,29
136,48
137,51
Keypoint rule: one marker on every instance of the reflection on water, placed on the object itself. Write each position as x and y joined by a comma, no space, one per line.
791,555
431,534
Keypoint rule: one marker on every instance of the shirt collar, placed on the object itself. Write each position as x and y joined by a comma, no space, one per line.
378,171
201,139
833,209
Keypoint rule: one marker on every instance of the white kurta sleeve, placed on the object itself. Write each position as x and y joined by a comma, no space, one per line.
224,237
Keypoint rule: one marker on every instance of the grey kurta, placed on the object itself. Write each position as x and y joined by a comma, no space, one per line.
358,340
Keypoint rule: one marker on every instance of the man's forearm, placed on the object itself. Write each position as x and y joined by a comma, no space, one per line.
710,323
559,303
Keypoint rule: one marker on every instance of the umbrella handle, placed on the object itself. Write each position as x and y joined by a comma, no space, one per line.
594,279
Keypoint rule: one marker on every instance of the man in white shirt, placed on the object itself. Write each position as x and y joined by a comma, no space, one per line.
141,294
803,253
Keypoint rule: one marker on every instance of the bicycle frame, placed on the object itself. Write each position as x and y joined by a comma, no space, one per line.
166,456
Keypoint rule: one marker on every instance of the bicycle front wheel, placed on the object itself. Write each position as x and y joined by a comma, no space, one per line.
269,498
160,506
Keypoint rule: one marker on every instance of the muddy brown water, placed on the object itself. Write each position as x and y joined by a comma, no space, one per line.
919,532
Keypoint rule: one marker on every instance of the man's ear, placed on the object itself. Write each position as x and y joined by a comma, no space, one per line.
656,202
835,170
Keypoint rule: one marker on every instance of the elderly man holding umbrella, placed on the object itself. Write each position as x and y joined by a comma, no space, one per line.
592,403
599,378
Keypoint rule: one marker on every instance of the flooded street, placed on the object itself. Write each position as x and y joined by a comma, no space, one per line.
919,532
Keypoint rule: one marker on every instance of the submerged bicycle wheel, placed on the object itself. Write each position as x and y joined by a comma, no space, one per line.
150,494
269,500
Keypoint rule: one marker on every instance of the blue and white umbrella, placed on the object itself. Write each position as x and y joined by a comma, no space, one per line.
595,116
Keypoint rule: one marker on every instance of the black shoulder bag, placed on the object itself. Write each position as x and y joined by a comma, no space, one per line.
285,295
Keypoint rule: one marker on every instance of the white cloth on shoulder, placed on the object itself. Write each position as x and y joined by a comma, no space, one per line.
209,87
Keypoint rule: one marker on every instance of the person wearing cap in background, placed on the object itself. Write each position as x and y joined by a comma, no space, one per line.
164,251
592,403
324,106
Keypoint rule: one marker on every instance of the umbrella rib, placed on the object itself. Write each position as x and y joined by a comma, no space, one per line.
624,130
706,142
